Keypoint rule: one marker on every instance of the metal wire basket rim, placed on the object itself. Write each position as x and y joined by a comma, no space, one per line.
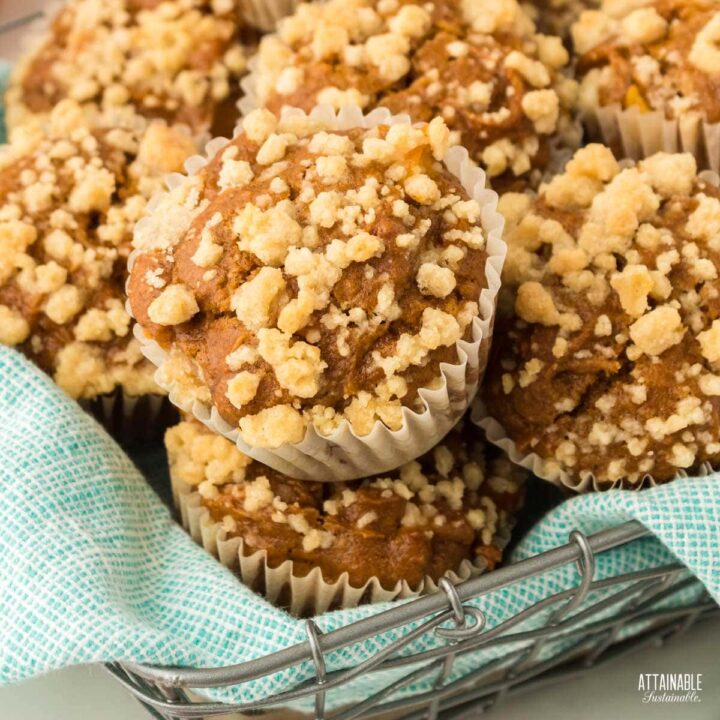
387,620
215,708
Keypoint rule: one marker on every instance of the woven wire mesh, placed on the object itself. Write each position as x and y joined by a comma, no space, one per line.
579,631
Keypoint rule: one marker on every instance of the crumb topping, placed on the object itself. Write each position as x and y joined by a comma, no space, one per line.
424,519
480,65
69,197
307,303
663,55
617,317
178,60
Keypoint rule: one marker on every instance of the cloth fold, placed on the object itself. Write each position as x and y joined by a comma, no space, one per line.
93,568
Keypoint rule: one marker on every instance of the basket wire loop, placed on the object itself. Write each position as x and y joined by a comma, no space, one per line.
313,633
460,631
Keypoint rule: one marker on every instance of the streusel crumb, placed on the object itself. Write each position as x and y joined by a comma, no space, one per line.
660,55
479,64
422,521
295,301
69,197
609,365
178,60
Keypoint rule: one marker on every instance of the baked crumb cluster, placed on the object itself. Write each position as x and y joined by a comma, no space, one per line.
611,366
424,520
307,276
478,64
179,60
69,197
662,55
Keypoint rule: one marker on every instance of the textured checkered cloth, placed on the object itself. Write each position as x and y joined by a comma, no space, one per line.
93,569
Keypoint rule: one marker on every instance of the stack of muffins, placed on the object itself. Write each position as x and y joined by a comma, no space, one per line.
318,295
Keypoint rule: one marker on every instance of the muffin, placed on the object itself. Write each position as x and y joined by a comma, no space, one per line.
650,76
609,370
69,196
310,281
177,60
480,66
312,546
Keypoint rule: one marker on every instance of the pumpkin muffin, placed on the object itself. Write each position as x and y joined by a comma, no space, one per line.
69,196
307,277
178,60
422,521
659,56
481,66
610,367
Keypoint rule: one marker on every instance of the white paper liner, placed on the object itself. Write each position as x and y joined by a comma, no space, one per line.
304,596
343,455
587,482
248,86
131,418
265,14
495,434
637,135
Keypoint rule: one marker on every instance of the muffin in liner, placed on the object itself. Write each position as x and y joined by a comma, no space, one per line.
79,186
584,403
175,60
301,587
656,99
343,454
503,89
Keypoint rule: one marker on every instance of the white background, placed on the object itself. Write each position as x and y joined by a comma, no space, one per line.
88,693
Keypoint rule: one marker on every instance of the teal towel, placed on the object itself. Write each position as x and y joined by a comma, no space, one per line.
93,569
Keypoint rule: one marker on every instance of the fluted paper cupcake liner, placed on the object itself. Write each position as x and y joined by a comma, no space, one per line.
248,85
132,418
496,434
344,455
265,14
637,135
307,595
584,483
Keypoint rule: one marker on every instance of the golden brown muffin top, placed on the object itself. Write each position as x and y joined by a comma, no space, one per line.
479,64
661,55
307,276
69,197
179,60
611,365
423,520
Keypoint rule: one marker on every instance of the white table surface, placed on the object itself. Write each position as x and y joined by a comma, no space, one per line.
88,693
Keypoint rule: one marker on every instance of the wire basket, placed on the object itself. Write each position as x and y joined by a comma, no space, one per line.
578,634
